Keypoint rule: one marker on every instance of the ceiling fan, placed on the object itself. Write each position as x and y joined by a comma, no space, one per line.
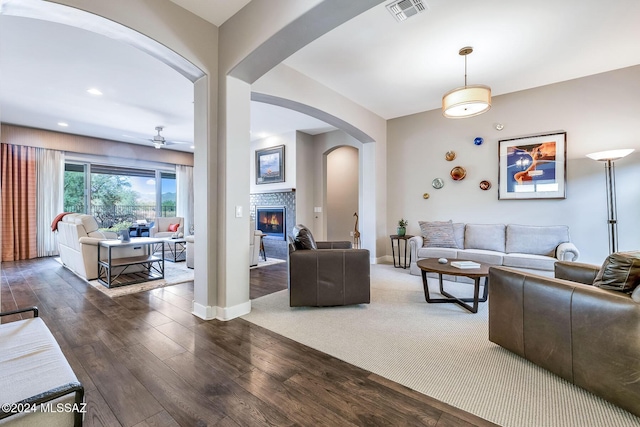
159,141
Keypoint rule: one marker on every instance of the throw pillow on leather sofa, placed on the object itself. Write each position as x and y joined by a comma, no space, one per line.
619,272
303,238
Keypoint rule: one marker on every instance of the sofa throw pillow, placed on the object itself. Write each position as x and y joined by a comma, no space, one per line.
303,238
437,234
174,227
619,272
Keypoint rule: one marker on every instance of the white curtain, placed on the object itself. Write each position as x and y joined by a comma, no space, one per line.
50,198
184,198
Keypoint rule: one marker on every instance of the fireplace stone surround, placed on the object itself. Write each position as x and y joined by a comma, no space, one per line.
276,247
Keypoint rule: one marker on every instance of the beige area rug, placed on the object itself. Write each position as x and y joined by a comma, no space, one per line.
269,261
440,350
174,273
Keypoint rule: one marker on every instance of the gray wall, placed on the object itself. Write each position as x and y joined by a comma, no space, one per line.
342,192
304,180
597,112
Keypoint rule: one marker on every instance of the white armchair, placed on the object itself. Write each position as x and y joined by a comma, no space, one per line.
78,238
254,244
161,225
190,249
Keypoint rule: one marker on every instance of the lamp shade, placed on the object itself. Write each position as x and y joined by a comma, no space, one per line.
467,101
610,154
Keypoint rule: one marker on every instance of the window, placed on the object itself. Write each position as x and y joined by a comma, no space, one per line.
168,193
74,188
116,195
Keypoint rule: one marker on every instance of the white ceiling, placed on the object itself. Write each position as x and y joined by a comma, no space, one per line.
400,68
214,11
390,68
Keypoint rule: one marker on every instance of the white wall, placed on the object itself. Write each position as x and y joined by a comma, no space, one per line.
342,192
597,112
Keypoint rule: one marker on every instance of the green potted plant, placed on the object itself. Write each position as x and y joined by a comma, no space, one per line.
402,227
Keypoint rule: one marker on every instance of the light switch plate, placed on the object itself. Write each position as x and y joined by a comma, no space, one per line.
238,211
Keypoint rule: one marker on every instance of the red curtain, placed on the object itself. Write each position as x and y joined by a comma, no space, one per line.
18,186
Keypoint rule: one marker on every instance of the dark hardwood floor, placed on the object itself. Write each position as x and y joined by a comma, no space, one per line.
145,360
267,280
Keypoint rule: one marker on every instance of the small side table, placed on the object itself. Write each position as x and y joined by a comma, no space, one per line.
396,238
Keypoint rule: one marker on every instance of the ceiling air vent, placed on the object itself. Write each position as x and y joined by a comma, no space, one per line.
403,9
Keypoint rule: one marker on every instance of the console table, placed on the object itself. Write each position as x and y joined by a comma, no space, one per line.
139,230
112,272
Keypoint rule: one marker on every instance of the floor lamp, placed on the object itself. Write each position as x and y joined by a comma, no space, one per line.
609,157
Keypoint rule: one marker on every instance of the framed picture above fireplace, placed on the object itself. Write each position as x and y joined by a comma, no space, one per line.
270,165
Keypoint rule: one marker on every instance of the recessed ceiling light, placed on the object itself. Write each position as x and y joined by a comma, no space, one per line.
94,91
63,124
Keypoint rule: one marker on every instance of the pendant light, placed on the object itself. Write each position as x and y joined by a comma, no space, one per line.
467,101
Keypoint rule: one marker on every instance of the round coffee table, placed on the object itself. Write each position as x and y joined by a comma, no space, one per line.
431,265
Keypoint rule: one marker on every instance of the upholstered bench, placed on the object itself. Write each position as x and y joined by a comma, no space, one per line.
39,388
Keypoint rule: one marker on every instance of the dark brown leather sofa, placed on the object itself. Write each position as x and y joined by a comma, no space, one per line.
587,335
334,274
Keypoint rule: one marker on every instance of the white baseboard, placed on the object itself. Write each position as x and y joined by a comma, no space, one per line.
388,259
228,313
205,312
381,259
221,313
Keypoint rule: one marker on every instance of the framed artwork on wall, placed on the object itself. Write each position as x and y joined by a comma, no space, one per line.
533,167
270,165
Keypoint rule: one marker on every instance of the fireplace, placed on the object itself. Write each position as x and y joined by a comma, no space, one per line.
271,220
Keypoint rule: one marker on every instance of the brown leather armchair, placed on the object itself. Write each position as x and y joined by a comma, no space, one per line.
334,274
585,334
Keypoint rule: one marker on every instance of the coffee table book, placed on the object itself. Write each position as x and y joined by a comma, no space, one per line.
465,264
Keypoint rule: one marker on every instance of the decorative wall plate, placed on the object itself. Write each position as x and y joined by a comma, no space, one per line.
478,141
485,185
425,196
450,155
458,173
437,183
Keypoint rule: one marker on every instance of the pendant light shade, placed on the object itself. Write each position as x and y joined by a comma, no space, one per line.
467,101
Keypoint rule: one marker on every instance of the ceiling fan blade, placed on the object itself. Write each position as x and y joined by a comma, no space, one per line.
138,137
179,142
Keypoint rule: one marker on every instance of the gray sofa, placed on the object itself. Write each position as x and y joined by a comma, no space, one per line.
525,247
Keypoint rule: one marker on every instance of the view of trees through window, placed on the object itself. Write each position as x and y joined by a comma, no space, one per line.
118,196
